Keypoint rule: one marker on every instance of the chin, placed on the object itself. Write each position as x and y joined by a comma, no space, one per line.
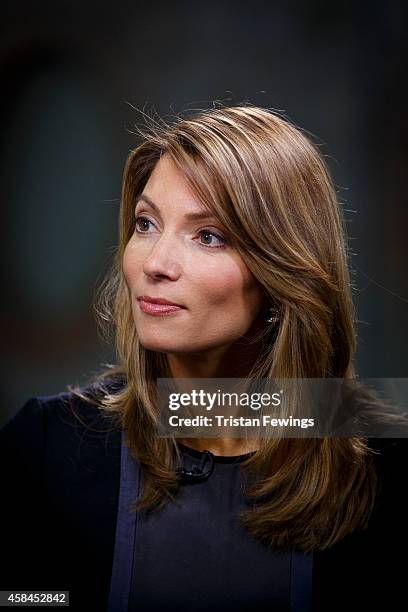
161,347
172,344
155,342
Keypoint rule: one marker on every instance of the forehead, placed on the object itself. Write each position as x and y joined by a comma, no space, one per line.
167,186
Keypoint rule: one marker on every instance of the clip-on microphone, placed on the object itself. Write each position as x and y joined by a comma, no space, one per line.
197,473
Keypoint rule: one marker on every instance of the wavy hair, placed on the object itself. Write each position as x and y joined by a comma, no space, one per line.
266,181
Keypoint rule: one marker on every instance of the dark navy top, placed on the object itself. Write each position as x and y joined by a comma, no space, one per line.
193,554
65,524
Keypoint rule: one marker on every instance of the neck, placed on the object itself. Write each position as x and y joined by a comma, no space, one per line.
228,447
233,361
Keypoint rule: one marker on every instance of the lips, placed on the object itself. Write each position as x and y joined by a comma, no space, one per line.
158,306
154,300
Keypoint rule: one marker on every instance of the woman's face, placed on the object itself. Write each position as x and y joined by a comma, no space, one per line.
173,255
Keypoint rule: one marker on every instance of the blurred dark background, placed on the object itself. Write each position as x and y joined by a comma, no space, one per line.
71,73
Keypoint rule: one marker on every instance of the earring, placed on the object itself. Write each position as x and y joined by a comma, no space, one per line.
273,315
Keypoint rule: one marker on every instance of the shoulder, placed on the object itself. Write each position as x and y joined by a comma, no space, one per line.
50,425
389,451
370,556
60,462
388,518
391,463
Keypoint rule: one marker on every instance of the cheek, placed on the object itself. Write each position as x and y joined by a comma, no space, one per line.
214,285
130,263
233,287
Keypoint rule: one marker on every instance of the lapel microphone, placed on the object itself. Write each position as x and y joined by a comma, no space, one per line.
197,473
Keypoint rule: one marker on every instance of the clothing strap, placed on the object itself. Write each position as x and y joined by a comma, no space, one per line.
301,582
130,477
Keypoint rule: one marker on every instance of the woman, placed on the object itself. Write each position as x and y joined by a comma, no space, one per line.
231,264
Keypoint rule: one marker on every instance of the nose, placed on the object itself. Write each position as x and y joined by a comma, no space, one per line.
163,261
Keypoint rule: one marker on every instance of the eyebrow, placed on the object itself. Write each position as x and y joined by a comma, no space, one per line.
191,216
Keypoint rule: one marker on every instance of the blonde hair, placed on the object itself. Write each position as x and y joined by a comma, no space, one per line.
267,182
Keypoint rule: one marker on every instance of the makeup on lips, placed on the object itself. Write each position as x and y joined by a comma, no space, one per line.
158,306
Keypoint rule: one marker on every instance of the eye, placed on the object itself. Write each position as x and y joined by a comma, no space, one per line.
142,224
210,239
209,235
